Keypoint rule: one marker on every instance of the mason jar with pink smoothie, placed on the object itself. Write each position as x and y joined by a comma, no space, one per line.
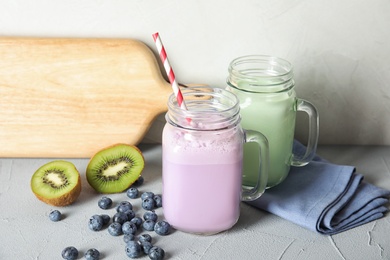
203,160
268,102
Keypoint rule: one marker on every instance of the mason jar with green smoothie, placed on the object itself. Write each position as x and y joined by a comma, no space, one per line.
268,104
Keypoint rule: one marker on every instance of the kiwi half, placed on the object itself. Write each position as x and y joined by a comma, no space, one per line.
56,183
115,168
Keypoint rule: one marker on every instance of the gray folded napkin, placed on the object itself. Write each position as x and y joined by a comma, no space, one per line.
325,197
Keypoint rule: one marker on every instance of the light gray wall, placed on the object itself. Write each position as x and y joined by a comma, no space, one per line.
340,49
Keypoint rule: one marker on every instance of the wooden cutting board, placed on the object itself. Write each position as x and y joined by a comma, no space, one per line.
72,97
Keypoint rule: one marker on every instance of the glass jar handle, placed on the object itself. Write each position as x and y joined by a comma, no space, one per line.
252,193
305,106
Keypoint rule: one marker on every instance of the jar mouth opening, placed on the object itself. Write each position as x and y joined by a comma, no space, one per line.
269,73
214,108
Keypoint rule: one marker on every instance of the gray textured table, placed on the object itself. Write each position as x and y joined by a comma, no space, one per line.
27,232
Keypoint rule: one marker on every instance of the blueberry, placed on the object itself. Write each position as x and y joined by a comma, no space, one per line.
133,249
92,254
156,253
150,215
132,193
148,204
139,181
146,246
147,194
115,229
129,228
148,225
95,223
130,214
128,237
120,217
105,202
55,215
70,253
158,201
137,221
106,219
145,238
124,206
162,228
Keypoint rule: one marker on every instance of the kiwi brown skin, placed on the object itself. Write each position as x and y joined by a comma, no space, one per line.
64,199
111,157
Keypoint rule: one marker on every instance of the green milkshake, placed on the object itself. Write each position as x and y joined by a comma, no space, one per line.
268,104
274,116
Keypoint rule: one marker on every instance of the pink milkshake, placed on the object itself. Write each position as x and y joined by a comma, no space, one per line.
202,162
202,181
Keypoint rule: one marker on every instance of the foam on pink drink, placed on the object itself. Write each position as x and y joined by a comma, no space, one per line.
205,169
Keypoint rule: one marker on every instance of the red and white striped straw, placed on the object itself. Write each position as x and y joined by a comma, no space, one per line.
169,71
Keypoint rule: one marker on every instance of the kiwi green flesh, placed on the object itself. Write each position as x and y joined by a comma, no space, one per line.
115,168
54,179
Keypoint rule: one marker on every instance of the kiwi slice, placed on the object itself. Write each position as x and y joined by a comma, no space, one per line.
57,183
115,168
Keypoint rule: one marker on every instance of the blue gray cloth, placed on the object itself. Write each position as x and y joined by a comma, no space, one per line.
325,197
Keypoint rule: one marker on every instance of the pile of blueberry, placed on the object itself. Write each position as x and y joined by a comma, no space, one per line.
126,223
